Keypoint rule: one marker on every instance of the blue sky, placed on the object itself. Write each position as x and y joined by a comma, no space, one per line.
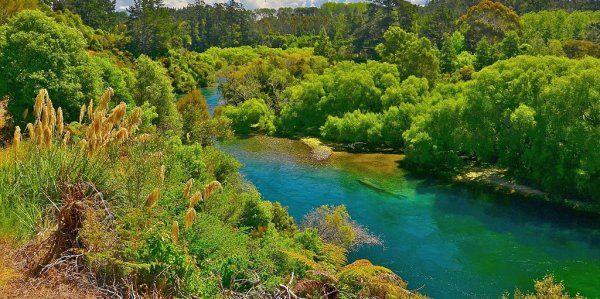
122,4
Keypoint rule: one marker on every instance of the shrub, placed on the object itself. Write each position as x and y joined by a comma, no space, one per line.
353,127
194,112
251,116
153,85
37,52
545,288
334,225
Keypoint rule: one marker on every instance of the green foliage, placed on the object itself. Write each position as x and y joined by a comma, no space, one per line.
410,91
510,45
195,116
323,46
452,46
558,24
160,263
581,49
485,54
120,79
154,85
251,116
488,20
267,77
413,55
334,226
545,288
342,88
530,115
37,52
370,281
95,13
153,30
353,127
190,70
9,8
282,220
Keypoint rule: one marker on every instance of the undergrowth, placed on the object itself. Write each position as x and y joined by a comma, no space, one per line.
109,203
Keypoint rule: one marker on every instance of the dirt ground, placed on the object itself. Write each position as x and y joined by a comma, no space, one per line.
15,283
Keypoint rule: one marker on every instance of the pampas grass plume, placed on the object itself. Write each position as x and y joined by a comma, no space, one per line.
82,113
161,174
153,198
197,197
60,122
39,101
211,188
90,109
66,139
122,134
188,188
31,131
17,137
47,136
39,134
190,217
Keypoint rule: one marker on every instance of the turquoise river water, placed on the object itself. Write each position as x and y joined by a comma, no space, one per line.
444,240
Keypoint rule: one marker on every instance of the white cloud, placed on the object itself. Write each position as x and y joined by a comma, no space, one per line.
251,4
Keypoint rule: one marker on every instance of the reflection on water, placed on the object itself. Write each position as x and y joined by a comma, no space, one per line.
453,242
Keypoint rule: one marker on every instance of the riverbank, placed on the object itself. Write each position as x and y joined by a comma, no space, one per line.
443,238
489,179
498,181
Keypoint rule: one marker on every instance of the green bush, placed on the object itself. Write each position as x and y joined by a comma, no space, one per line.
353,127
37,52
250,116
154,85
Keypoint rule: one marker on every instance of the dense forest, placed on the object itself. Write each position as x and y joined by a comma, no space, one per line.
109,172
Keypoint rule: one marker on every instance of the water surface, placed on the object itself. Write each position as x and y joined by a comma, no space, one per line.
444,240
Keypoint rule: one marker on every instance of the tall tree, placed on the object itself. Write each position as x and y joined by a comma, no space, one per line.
323,46
490,20
153,30
95,13
37,52
413,55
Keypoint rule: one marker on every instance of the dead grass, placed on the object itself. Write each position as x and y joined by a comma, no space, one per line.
15,283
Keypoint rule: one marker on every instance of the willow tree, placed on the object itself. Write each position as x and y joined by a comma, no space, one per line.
413,55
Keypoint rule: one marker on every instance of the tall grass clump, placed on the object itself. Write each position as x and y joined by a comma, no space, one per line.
39,159
117,205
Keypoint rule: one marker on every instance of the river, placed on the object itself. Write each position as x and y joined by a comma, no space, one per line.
445,240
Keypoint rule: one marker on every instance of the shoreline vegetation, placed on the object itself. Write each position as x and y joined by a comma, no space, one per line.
482,178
